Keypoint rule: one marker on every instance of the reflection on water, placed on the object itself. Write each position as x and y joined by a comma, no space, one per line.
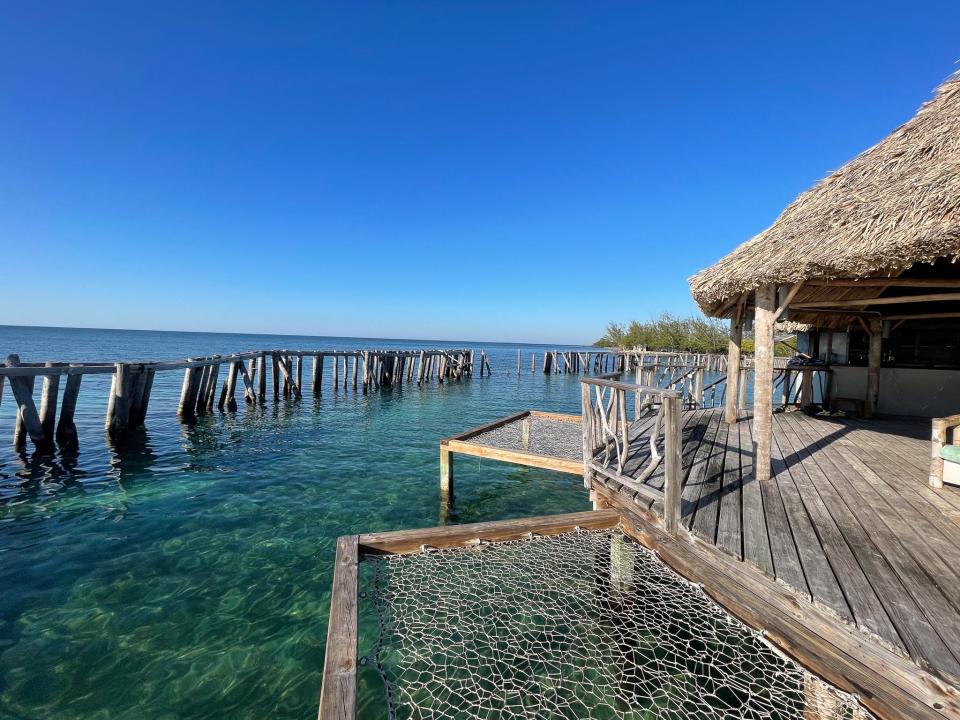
185,571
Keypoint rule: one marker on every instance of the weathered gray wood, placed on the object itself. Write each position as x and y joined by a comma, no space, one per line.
756,542
228,398
338,696
118,407
262,377
48,404
275,374
249,393
673,487
210,399
66,427
28,419
766,298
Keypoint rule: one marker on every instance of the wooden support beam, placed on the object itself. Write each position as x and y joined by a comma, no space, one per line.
228,398
66,427
466,535
249,393
886,282
792,293
28,419
874,358
763,380
118,406
860,302
446,475
673,442
275,374
338,695
48,403
262,377
733,366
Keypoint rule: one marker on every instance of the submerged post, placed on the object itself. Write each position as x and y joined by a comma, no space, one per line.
446,475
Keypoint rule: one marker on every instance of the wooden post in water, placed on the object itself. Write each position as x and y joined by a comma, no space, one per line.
336,372
48,403
766,307
228,398
188,397
446,476
210,400
353,371
118,407
275,374
249,393
28,420
66,428
262,377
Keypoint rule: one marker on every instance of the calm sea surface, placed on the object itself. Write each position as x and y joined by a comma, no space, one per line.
187,574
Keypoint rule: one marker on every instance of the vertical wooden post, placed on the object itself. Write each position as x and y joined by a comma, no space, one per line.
184,409
28,420
315,376
300,373
336,373
525,433
66,428
873,365
211,397
766,307
744,375
249,393
275,374
733,365
806,388
48,403
143,397
262,377
673,489
698,388
353,371
446,475
118,407
586,427
228,397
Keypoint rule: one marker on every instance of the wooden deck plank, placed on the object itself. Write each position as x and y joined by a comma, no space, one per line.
821,580
692,431
839,540
707,515
933,609
756,540
697,475
729,531
783,550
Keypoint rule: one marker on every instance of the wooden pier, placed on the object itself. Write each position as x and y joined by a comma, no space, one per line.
202,392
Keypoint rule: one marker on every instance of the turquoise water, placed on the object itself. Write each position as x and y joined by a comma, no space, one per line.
187,573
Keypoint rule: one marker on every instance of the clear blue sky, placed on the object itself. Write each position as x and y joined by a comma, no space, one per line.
470,170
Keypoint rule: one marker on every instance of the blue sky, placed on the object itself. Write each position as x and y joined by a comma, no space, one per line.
487,170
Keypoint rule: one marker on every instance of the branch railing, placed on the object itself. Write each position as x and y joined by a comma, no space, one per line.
607,428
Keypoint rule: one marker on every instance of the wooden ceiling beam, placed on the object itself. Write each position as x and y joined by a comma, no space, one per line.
887,282
861,302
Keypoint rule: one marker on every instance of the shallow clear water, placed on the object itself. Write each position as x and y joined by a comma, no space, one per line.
187,573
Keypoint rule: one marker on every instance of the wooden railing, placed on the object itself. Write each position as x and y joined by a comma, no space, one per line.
611,437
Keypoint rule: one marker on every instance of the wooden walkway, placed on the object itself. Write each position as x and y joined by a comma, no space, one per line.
847,520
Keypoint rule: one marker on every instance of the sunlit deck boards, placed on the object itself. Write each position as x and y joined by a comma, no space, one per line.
847,520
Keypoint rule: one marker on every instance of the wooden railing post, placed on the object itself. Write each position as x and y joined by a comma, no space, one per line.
672,441
586,426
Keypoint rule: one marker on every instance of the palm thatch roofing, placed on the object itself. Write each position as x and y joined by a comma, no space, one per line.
893,206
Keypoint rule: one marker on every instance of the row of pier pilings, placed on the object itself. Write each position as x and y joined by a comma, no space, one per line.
51,423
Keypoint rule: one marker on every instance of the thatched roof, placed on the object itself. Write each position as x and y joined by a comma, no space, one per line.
892,206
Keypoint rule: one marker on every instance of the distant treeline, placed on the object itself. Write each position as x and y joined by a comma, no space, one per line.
672,333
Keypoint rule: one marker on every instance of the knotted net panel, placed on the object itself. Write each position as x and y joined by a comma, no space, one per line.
582,625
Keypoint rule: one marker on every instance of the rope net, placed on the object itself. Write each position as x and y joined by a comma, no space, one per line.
582,625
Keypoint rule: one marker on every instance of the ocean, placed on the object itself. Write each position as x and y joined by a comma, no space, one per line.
186,573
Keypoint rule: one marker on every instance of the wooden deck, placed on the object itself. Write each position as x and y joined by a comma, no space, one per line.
847,520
